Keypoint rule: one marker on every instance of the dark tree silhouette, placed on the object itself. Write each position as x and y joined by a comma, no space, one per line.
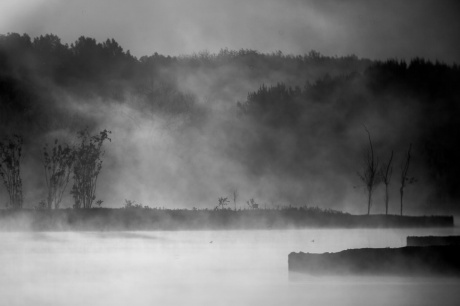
405,180
58,164
369,174
88,164
10,171
385,175
235,196
223,202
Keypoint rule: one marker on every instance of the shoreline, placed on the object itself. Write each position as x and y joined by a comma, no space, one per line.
106,219
405,261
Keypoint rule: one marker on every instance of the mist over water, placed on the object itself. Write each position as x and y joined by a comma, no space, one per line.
204,267
275,103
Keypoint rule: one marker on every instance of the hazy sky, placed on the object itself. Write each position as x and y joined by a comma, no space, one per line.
368,28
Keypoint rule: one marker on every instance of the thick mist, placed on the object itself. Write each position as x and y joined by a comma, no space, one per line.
281,129
180,161
151,267
235,135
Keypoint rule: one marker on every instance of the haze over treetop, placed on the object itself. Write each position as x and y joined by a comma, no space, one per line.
369,28
189,129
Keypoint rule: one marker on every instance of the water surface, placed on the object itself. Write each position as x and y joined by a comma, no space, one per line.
202,268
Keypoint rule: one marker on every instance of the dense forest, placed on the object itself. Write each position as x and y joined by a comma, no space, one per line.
285,129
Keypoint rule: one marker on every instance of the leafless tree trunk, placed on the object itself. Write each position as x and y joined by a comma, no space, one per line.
385,173
235,196
404,179
58,163
87,166
369,174
10,161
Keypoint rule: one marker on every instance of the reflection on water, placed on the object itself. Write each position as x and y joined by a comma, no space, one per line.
202,268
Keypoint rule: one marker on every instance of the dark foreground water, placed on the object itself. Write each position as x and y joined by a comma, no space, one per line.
203,268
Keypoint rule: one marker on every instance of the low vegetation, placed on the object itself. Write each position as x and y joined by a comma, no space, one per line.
134,216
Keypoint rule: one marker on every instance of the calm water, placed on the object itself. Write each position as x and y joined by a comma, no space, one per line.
202,268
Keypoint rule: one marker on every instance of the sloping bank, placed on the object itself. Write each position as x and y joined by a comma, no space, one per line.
433,240
183,219
429,260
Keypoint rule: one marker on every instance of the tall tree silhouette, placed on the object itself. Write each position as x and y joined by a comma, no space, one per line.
369,174
87,166
385,173
10,170
405,180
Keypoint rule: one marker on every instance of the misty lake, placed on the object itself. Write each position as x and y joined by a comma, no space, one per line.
202,268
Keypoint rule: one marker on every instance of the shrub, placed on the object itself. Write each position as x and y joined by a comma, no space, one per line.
87,166
58,165
10,161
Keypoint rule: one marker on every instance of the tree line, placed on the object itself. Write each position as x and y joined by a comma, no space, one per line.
102,66
416,102
310,101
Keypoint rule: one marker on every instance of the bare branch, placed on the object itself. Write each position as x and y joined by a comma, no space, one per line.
404,178
369,173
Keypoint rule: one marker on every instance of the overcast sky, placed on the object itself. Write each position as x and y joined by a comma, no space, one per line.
367,28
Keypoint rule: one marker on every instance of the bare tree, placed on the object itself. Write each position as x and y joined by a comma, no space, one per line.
369,173
385,175
235,196
404,178
58,165
88,164
10,161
